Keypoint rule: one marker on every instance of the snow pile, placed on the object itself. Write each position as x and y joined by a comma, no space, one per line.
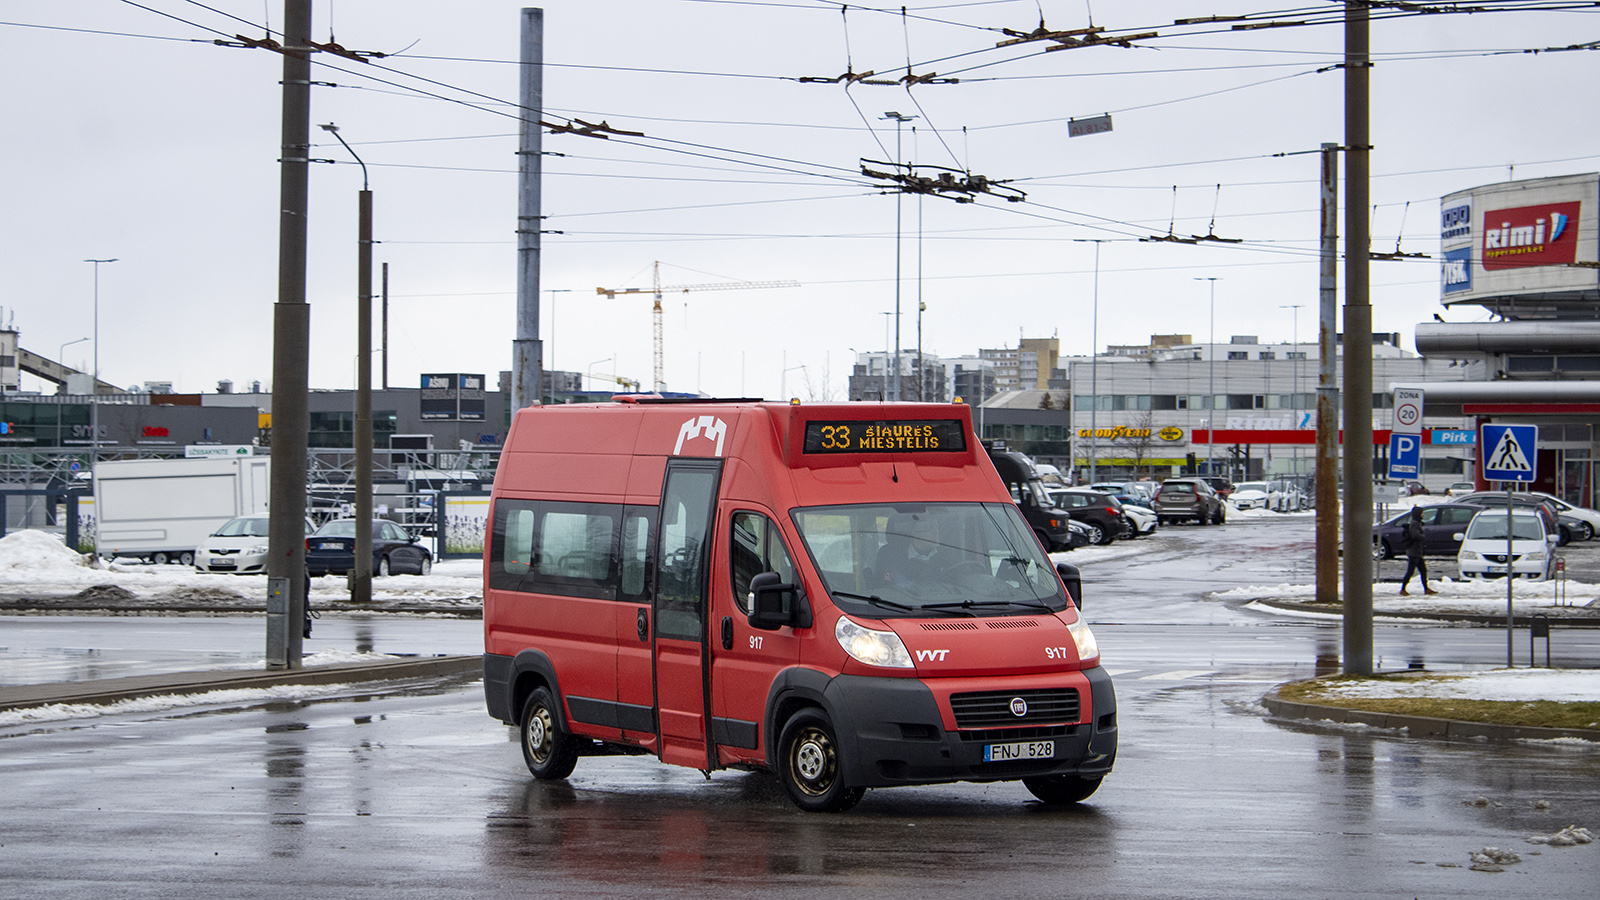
30,554
1494,859
1519,685
1569,836
1454,595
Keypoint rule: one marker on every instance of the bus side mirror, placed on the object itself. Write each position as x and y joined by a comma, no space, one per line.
772,603
1073,581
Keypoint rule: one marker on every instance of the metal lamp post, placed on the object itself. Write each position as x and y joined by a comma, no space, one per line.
94,386
899,121
1211,373
361,575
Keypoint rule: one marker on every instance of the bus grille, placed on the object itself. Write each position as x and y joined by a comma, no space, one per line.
993,709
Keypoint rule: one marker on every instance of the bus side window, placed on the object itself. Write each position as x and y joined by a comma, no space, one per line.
757,547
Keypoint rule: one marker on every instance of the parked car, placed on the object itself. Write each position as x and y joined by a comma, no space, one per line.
1564,527
1142,520
1441,524
332,549
1256,495
1483,547
239,547
1460,489
1588,520
1022,480
1221,486
1189,498
1099,511
1412,489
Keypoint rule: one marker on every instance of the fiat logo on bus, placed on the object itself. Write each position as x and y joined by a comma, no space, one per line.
1019,707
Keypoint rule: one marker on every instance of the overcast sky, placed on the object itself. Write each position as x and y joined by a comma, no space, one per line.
132,136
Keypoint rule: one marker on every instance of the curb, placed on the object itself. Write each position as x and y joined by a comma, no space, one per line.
1419,726
112,690
1586,619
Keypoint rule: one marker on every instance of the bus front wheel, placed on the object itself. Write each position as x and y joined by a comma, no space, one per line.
809,765
549,751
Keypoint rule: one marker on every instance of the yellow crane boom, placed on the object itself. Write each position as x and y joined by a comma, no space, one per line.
658,289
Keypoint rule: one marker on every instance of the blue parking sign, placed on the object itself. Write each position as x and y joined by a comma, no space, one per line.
1405,455
1510,452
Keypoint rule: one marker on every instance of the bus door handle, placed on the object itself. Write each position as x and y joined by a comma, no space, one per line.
727,632
644,624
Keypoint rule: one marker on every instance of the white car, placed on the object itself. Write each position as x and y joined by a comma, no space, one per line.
1143,519
1256,495
239,547
1483,546
1461,488
1588,517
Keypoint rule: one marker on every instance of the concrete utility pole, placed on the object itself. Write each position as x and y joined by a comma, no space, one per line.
291,333
527,354
1327,472
1358,563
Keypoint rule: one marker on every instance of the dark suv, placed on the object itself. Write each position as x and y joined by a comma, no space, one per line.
1189,498
1102,513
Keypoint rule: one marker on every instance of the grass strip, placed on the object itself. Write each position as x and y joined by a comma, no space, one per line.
1533,713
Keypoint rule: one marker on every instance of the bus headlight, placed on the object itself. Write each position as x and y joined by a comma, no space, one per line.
875,648
1088,647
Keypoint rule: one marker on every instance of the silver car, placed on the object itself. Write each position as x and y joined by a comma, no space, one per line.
239,547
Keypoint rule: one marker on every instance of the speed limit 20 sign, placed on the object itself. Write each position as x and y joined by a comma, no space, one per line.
1407,411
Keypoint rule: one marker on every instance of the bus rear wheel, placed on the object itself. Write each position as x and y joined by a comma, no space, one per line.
809,765
551,753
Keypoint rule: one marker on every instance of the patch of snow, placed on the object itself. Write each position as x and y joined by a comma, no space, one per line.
60,712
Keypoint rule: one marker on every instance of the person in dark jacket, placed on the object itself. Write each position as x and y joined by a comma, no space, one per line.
1416,563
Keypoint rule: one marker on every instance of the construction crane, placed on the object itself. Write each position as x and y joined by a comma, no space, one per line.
658,289
623,382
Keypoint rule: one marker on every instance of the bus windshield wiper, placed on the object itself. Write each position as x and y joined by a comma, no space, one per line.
875,600
984,604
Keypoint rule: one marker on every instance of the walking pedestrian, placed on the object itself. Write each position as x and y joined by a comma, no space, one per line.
1416,563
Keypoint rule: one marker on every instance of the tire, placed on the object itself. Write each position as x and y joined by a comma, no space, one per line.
1381,549
1097,535
1585,533
1220,517
549,752
1059,790
159,559
808,764
383,566
185,559
427,565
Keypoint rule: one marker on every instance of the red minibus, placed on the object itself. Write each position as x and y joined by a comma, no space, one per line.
843,594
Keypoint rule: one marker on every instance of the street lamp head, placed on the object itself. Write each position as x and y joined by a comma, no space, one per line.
329,127
100,260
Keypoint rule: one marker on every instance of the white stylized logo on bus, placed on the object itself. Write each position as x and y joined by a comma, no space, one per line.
711,426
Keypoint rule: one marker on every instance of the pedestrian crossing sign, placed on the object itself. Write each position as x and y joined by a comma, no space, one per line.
1510,452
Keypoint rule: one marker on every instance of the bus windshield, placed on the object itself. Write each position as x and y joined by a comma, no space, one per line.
922,559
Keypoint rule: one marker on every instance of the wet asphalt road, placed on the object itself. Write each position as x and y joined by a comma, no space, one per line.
414,792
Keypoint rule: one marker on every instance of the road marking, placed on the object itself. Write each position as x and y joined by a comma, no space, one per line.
1178,675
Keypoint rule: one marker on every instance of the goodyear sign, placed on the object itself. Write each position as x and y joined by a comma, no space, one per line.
1121,431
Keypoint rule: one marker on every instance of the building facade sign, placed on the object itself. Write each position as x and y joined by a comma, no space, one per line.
1519,238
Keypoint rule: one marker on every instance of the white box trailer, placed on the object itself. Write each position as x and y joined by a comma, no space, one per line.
161,509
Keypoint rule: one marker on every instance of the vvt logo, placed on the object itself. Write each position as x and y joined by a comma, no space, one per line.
932,655
711,426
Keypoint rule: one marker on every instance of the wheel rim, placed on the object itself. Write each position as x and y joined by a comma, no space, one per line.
1377,550
1095,534
813,762
537,735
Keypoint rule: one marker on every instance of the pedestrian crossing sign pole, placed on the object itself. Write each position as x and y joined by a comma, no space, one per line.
1510,453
